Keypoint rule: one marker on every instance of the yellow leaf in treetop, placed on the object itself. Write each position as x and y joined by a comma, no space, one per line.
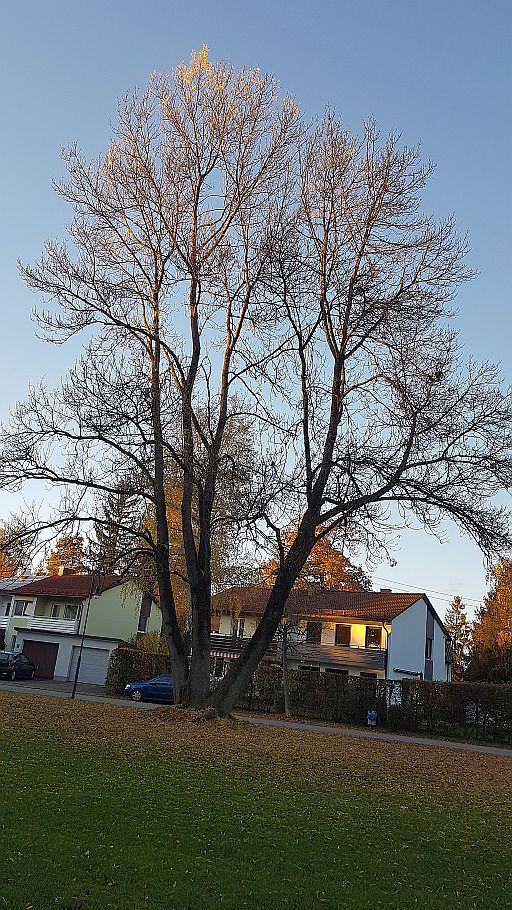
204,55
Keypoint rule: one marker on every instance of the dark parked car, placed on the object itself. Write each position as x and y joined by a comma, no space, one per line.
159,689
15,666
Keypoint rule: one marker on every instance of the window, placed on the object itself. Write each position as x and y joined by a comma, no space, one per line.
241,625
368,675
217,667
71,611
342,636
143,623
338,671
314,632
145,611
307,669
372,637
55,611
428,648
7,609
20,607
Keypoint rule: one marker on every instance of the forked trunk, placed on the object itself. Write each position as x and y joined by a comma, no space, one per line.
200,659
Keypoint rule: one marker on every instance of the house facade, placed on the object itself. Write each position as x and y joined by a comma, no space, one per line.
383,635
50,619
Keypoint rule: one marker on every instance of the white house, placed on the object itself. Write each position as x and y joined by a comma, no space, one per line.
381,634
50,619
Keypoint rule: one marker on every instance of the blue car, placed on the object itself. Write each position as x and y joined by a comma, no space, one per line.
158,689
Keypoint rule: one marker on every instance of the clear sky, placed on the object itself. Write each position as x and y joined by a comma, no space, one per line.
438,71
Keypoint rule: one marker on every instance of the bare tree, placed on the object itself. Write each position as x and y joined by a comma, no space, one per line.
375,414
169,238
232,264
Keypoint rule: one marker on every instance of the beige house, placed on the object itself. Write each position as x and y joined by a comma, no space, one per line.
51,619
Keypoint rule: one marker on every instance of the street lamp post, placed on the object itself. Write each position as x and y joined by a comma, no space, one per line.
94,589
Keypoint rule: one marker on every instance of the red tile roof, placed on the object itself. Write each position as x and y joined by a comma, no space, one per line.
371,605
68,586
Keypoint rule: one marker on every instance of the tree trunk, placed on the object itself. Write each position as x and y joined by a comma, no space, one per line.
284,665
237,679
173,636
200,659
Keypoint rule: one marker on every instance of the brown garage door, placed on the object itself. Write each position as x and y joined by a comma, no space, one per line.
44,655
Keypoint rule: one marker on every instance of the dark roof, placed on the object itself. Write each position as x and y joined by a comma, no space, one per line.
69,586
7,585
371,605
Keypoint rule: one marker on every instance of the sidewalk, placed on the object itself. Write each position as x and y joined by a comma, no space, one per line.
84,692
373,734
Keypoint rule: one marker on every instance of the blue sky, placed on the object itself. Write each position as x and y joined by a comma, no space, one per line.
437,71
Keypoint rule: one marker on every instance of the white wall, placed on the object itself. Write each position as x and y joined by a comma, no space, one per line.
406,642
438,653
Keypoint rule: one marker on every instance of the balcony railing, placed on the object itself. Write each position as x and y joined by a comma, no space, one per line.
4,621
309,653
48,624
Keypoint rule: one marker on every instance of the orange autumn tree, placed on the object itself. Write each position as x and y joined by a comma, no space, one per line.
69,554
326,567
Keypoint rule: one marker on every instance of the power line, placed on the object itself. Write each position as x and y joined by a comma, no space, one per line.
444,594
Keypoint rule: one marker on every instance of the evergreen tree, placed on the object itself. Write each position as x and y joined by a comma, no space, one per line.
117,531
459,628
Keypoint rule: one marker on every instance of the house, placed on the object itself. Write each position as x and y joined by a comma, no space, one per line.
50,618
384,635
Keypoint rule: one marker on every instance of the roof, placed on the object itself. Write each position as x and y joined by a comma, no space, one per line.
70,585
17,581
380,606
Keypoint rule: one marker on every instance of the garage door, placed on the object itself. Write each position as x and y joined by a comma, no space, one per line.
44,655
93,666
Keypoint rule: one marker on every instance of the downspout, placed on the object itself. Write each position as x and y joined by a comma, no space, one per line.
387,649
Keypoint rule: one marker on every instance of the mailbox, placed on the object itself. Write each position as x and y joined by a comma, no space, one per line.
372,718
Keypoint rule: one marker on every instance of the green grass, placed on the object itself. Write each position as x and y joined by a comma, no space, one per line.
84,828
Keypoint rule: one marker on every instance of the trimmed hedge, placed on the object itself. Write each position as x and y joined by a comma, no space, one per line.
130,665
463,710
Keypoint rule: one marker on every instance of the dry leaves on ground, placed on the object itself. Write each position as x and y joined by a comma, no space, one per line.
238,747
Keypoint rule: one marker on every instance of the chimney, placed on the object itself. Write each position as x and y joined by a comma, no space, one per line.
385,591
66,570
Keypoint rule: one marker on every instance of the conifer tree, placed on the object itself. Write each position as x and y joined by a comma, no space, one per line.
457,625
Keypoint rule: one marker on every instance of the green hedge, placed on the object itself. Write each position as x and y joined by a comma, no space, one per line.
463,710
130,665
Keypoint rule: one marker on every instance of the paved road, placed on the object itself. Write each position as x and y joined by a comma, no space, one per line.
84,692
95,694
373,734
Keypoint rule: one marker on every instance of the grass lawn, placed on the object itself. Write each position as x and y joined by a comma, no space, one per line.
105,807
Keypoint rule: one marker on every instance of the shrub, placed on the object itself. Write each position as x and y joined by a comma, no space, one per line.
131,665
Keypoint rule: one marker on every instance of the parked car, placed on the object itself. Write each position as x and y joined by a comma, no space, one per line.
160,689
15,666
